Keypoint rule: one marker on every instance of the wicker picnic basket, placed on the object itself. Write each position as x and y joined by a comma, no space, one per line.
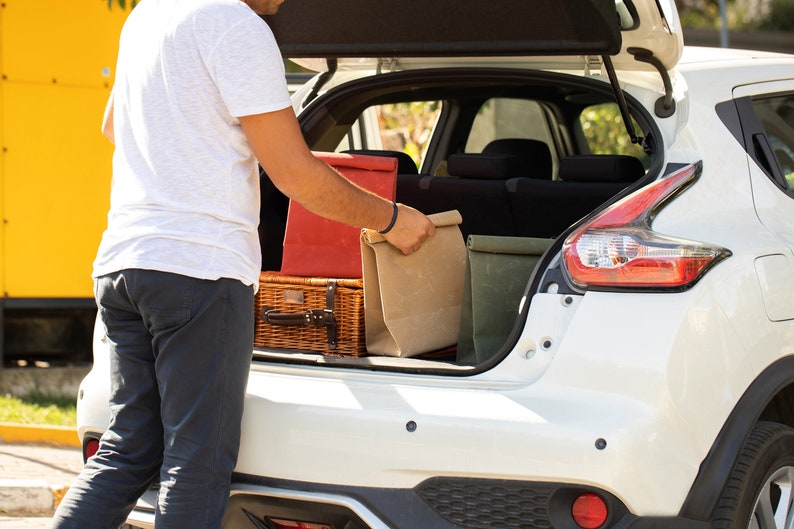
310,314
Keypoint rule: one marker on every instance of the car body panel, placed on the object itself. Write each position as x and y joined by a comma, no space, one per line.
659,31
712,310
475,426
602,351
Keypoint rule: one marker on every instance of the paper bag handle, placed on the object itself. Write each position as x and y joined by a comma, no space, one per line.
445,218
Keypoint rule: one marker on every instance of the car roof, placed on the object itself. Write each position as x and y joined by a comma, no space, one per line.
390,29
702,55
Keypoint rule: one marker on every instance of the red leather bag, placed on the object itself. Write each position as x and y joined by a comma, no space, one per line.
318,247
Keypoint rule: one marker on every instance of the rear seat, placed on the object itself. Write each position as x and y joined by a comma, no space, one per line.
413,188
475,187
508,188
544,208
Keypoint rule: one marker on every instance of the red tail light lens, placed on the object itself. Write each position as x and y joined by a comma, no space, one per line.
618,248
589,511
90,447
278,523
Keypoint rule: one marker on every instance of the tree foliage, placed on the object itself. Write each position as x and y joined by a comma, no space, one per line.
603,128
781,16
122,3
742,15
406,127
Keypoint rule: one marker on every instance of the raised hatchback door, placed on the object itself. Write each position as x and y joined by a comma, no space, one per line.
657,29
449,28
441,28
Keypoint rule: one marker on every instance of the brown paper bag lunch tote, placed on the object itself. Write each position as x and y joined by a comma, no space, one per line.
412,303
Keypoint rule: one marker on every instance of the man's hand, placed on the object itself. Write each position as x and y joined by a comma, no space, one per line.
410,230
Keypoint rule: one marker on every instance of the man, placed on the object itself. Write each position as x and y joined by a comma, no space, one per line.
200,96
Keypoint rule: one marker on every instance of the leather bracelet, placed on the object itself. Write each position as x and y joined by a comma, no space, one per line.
393,220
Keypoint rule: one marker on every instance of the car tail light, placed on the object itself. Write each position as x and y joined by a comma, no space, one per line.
618,249
278,523
589,511
90,447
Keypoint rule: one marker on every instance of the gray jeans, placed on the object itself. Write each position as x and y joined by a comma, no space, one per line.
180,352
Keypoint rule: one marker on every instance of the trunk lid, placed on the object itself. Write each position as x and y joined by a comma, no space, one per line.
391,29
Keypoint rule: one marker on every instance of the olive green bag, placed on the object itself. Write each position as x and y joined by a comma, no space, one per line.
497,272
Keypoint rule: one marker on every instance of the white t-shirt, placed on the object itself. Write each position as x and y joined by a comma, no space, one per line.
185,191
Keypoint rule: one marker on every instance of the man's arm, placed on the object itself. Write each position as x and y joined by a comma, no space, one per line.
107,120
278,144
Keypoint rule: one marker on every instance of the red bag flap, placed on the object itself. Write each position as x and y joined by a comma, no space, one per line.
318,247
342,161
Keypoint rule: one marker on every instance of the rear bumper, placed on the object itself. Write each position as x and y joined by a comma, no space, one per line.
438,503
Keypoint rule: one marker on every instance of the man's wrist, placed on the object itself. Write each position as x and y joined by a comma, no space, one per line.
393,220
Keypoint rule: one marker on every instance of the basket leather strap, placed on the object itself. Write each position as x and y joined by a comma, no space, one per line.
315,317
330,295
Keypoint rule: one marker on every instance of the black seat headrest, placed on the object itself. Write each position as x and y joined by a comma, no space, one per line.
486,166
535,152
405,164
601,168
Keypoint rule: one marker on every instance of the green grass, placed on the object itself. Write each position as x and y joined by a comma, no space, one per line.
38,410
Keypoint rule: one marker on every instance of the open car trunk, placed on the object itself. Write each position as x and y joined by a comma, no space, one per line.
469,59
514,222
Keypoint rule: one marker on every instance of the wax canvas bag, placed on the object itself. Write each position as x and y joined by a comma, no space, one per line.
497,272
317,247
412,302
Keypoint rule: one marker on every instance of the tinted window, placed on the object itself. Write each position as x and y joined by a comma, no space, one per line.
777,117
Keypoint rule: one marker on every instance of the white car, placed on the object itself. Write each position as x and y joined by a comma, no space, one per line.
646,376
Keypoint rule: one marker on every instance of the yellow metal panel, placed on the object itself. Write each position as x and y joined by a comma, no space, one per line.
55,197
57,61
2,164
55,41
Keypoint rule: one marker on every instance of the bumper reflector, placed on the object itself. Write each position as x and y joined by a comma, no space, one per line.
589,511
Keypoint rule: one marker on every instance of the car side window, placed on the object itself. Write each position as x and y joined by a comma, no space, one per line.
776,115
603,130
403,127
502,118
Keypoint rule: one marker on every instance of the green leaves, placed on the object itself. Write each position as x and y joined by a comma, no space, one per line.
122,3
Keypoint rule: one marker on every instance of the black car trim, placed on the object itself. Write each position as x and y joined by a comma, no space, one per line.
756,142
502,503
402,28
729,116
